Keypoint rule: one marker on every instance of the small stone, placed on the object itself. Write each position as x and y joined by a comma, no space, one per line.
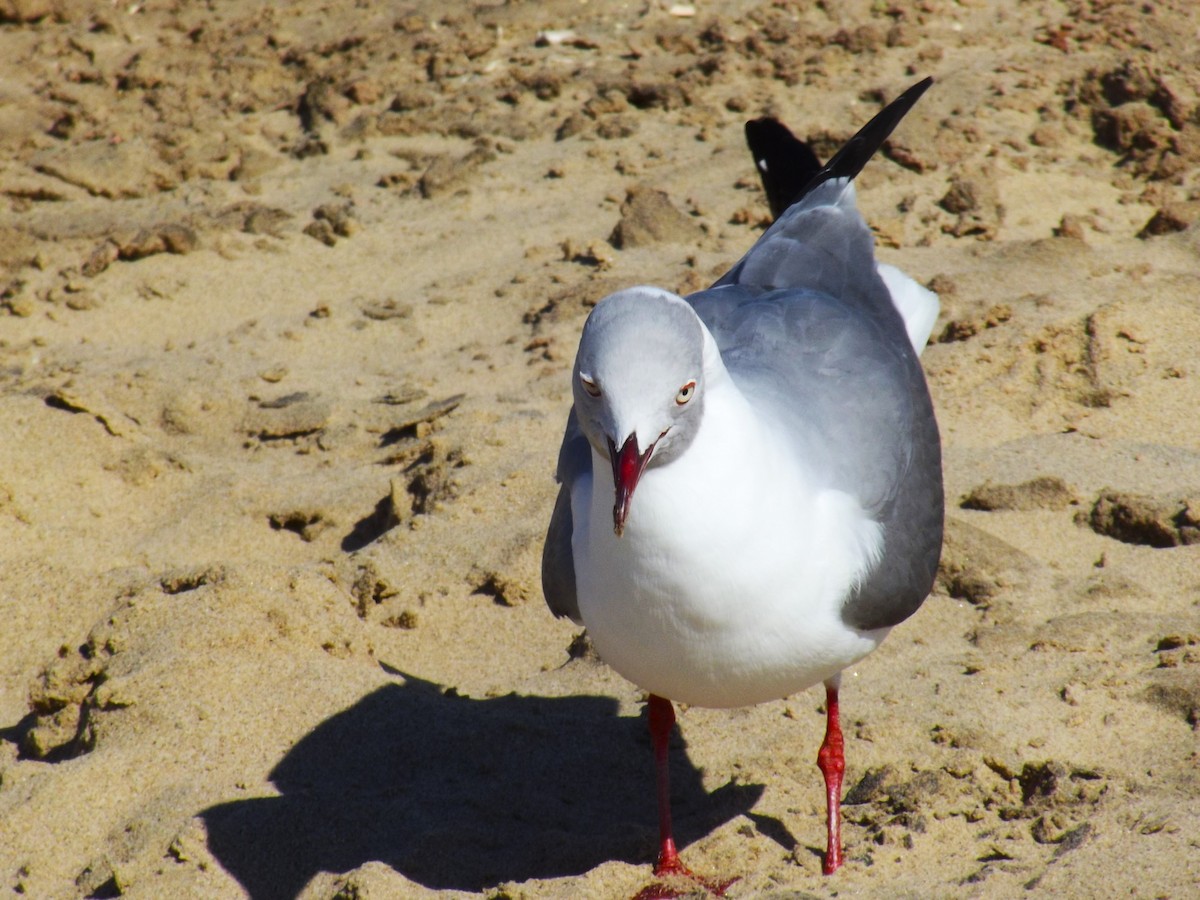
320,102
99,879
1042,781
24,11
447,175
873,785
322,231
975,199
308,524
253,163
82,300
1151,521
406,620
293,415
648,217
1070,226
581,647
577,123
1047,136
364,92
383,310
161,239
1045,492
411,98
100,259
339,216
1175,641
1171,218
965,195
21,307
265,220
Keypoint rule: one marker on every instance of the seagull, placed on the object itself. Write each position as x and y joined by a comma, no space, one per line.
751,481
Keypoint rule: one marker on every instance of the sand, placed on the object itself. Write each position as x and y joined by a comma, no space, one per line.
289,295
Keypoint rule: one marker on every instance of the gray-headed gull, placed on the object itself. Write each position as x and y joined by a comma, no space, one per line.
751,476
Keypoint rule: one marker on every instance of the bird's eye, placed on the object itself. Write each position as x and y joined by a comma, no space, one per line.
589,385
685,393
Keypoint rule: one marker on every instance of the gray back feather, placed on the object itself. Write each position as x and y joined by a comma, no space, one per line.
808,331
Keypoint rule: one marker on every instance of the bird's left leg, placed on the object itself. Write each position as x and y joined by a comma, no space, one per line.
832,763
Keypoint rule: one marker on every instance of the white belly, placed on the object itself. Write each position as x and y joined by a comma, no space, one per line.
723,591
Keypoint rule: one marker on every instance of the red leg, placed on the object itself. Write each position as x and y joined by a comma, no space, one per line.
662,720
832,764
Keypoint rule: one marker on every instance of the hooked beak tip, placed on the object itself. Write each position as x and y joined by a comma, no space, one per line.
627,465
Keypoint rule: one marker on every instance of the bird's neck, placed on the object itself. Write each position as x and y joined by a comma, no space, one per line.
716,376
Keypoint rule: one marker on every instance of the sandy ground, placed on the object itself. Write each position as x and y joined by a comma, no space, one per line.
288,299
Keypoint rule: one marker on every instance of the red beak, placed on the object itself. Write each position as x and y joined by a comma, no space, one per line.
627,466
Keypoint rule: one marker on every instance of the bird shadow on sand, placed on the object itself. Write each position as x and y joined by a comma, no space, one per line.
464,794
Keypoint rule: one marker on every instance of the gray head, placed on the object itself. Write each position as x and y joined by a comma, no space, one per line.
639,384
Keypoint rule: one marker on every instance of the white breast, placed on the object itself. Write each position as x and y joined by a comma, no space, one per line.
726,586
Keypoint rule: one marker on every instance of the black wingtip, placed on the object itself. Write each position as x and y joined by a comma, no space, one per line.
855,153
784,162
792,169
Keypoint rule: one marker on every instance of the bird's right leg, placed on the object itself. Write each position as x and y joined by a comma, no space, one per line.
662,720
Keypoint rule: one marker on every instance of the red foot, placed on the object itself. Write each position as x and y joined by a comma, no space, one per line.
668,862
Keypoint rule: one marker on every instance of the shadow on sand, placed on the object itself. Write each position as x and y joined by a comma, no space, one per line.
463,794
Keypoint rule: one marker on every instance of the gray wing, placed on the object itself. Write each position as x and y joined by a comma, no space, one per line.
808,331
821,244
558,561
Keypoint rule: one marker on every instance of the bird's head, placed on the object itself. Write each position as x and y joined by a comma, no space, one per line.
638,384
